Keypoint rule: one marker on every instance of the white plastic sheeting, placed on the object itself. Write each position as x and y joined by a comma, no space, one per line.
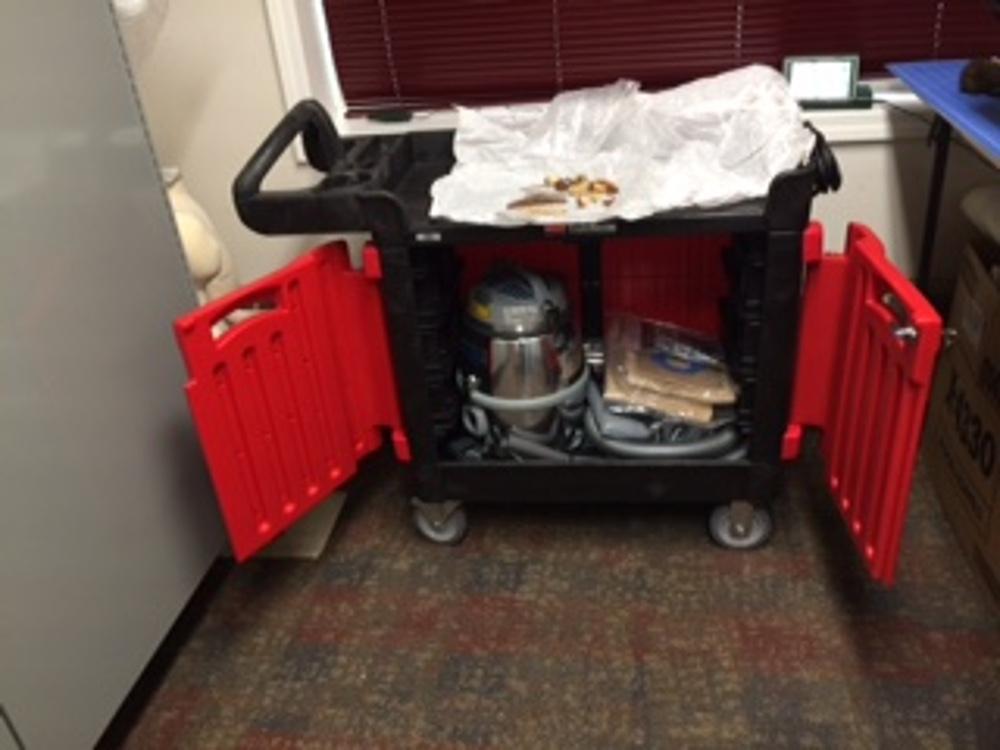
713,141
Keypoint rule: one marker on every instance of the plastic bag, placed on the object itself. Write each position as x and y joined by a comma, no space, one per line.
667,369
673,340
713,141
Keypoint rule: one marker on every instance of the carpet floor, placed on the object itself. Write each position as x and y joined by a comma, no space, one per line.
610,627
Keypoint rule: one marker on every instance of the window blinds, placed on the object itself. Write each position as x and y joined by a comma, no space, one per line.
433,53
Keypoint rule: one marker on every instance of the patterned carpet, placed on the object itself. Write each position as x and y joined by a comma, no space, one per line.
598,628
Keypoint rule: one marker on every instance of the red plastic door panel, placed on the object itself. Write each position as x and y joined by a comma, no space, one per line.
288,399
868,347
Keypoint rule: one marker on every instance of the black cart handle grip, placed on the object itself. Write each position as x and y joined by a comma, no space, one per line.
828,177
323,207
319,135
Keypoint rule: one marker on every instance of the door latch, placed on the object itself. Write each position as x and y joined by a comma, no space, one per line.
905,331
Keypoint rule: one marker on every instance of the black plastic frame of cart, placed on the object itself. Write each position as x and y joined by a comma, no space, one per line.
594,480
382,185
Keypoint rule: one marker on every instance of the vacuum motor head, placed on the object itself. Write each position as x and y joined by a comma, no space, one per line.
511,302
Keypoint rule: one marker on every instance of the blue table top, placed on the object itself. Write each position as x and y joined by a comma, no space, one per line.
976,116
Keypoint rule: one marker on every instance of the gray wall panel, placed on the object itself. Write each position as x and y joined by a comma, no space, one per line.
107,517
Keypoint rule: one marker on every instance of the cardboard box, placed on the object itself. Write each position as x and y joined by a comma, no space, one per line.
975,313
962,443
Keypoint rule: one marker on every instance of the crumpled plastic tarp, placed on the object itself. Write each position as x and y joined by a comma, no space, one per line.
710,142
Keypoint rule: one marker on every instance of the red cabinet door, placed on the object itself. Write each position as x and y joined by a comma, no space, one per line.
869,342
290,385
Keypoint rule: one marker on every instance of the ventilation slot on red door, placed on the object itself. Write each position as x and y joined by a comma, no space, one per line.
290,385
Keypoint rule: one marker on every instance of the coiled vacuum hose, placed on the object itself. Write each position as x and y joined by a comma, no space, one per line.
722,444
536,450
718,442
737,454
571,393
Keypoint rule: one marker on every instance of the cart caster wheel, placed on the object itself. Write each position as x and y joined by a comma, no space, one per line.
740,528
441,523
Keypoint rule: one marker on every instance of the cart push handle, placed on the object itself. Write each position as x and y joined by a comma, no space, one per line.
323,207
319,136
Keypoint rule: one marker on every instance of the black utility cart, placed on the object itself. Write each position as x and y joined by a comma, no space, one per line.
414,264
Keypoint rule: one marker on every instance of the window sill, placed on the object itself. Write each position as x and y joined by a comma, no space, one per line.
880,123
421,121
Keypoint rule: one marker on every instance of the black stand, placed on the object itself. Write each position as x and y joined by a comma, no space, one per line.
940,136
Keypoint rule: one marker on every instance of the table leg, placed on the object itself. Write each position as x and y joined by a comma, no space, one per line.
940,135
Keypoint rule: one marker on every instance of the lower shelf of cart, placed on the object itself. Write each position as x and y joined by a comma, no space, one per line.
608,481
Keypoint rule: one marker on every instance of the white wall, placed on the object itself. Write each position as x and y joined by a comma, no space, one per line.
210,92
886,181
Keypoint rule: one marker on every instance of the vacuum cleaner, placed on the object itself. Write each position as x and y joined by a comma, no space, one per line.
529,392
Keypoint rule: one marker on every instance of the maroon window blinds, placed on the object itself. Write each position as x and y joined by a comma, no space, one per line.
880,31
426,53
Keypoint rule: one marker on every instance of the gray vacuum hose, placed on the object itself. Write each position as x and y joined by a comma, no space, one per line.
571,392
737,454
536,450
718,442
613,426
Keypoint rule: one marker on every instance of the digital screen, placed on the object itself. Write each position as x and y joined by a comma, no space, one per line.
821,79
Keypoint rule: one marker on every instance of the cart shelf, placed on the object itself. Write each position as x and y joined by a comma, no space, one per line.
382,185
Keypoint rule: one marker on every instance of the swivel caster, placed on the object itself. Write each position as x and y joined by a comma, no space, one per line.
441,523
740,525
